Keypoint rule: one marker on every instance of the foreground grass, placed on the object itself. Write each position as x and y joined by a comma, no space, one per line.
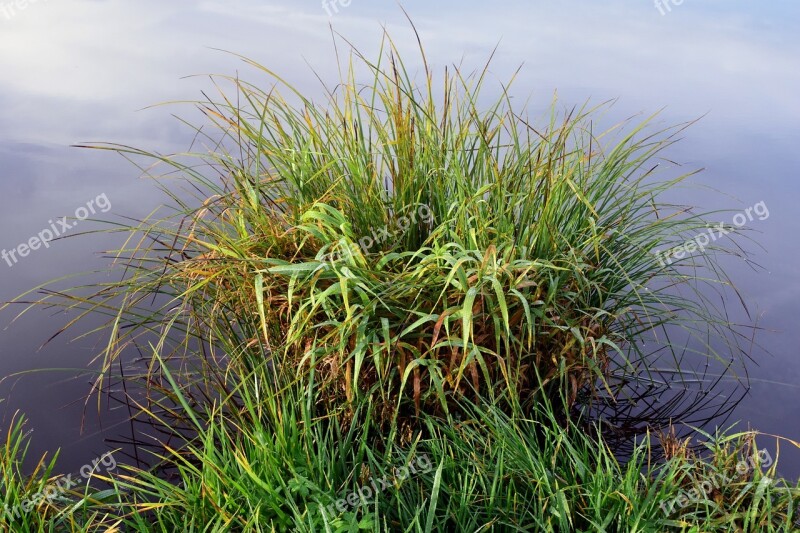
401,290
488,472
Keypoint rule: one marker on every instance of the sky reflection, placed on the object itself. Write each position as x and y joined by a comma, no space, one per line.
73,71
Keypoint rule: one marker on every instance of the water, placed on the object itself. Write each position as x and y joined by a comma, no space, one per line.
74,71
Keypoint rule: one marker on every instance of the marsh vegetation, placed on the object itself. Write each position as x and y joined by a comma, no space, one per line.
401,273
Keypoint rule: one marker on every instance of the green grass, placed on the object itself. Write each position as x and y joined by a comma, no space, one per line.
297,356
488,472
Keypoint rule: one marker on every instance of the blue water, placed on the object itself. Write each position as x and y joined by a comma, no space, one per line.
77,70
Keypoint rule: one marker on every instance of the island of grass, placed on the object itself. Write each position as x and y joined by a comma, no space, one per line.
388,311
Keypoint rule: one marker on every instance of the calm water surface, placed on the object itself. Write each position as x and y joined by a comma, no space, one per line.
77,70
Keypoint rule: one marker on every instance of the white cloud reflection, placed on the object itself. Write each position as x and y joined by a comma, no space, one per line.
119,55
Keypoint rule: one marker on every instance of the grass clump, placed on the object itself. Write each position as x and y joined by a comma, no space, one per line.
403,242
402,275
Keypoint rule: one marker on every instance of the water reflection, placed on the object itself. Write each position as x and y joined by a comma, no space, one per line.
77,70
